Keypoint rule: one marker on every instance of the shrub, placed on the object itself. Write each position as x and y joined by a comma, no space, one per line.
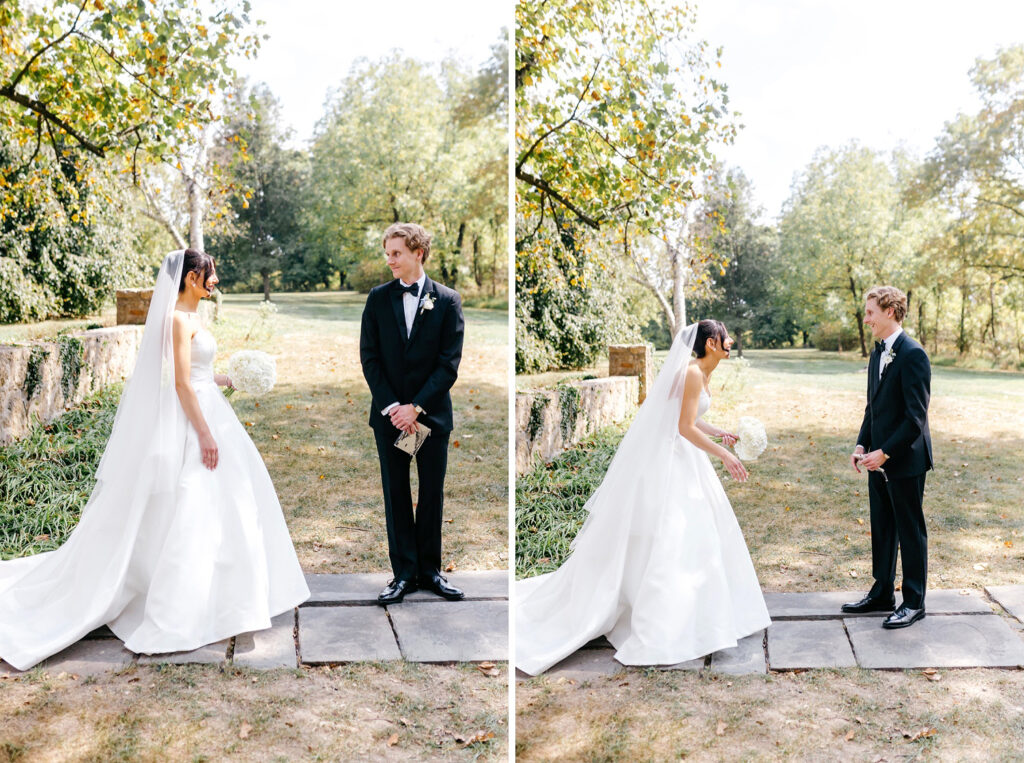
367,274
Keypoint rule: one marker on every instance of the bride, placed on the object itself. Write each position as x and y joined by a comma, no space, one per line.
660,566
182,542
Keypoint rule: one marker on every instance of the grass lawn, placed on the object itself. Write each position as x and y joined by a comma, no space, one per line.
312,432
362,711
804,513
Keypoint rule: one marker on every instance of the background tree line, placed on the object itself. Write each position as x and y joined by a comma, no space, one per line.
628,225
124,133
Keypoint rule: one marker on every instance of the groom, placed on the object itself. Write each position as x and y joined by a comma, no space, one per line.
410,345
895,447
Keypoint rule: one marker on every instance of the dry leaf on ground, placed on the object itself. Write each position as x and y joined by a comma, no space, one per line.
244,730
393,740
720,728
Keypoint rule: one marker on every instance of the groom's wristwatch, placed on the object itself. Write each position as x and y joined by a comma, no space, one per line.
419,411
885,455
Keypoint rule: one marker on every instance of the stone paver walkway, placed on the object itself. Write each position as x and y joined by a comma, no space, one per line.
962,629
341,622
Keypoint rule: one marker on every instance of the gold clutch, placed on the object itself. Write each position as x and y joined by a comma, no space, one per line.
411,443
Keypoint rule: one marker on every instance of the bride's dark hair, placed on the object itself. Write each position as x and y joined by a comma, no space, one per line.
708,329
195,262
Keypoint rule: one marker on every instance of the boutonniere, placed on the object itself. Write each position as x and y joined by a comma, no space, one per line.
427,303
888,356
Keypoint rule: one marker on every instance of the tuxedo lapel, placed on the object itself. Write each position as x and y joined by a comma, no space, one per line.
889,369
418,318
399,310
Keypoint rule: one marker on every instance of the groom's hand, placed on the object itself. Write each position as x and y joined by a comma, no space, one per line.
873,460
858,454
404,417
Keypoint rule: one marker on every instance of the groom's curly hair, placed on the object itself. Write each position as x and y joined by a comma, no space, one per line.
889,296
415,237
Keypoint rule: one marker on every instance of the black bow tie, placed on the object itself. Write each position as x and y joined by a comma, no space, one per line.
879,347
413,289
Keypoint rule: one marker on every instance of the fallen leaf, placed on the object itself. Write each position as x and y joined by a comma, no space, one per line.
981,566
849,735
480,736
720,728
860,521
853,573
244,730
393,739
488,669
932,674
274,437
1008,543
455,444
450,567
925,732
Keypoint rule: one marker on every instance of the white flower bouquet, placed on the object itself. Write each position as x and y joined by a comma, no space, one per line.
252,371
752,439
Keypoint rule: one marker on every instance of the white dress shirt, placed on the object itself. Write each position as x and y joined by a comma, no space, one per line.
409,303
885,359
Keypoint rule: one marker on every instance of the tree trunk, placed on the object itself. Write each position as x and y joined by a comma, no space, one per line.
921,327
266,284
680,273
478,268
859,315
961,340
194,189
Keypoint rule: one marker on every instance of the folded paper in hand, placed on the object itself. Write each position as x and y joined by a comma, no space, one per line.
411,443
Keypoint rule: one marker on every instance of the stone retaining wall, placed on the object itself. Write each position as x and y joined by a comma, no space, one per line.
108,356
133,305
550,421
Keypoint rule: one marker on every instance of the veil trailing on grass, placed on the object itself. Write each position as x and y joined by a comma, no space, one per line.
640,469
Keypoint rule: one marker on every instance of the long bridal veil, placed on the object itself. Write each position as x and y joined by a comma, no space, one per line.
54,598
148,422
641,469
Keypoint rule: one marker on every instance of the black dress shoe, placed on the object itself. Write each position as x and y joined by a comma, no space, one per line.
869,604
903,617
395,591
439,585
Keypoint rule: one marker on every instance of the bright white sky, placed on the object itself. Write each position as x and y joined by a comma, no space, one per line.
807,73
313,43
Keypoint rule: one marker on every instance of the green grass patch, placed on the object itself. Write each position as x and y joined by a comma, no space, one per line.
49,475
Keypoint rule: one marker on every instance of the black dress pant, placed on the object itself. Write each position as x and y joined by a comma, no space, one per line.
414,539
897,522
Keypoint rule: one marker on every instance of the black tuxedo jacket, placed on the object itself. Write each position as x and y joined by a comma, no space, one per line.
896,415
420,369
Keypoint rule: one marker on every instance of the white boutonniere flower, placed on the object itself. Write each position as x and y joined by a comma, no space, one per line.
427,303
888,356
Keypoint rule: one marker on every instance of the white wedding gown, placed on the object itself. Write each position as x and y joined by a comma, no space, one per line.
667,579
168,571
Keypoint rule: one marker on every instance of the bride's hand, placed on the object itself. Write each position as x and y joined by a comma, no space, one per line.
208,448
735,467
728,439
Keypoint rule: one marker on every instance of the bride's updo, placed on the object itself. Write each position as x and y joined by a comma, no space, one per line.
708,329
195,262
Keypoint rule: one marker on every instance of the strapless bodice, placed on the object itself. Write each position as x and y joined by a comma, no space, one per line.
704,403
204,348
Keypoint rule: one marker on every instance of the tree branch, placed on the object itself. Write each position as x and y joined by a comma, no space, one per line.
24,70
41,108
542,185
